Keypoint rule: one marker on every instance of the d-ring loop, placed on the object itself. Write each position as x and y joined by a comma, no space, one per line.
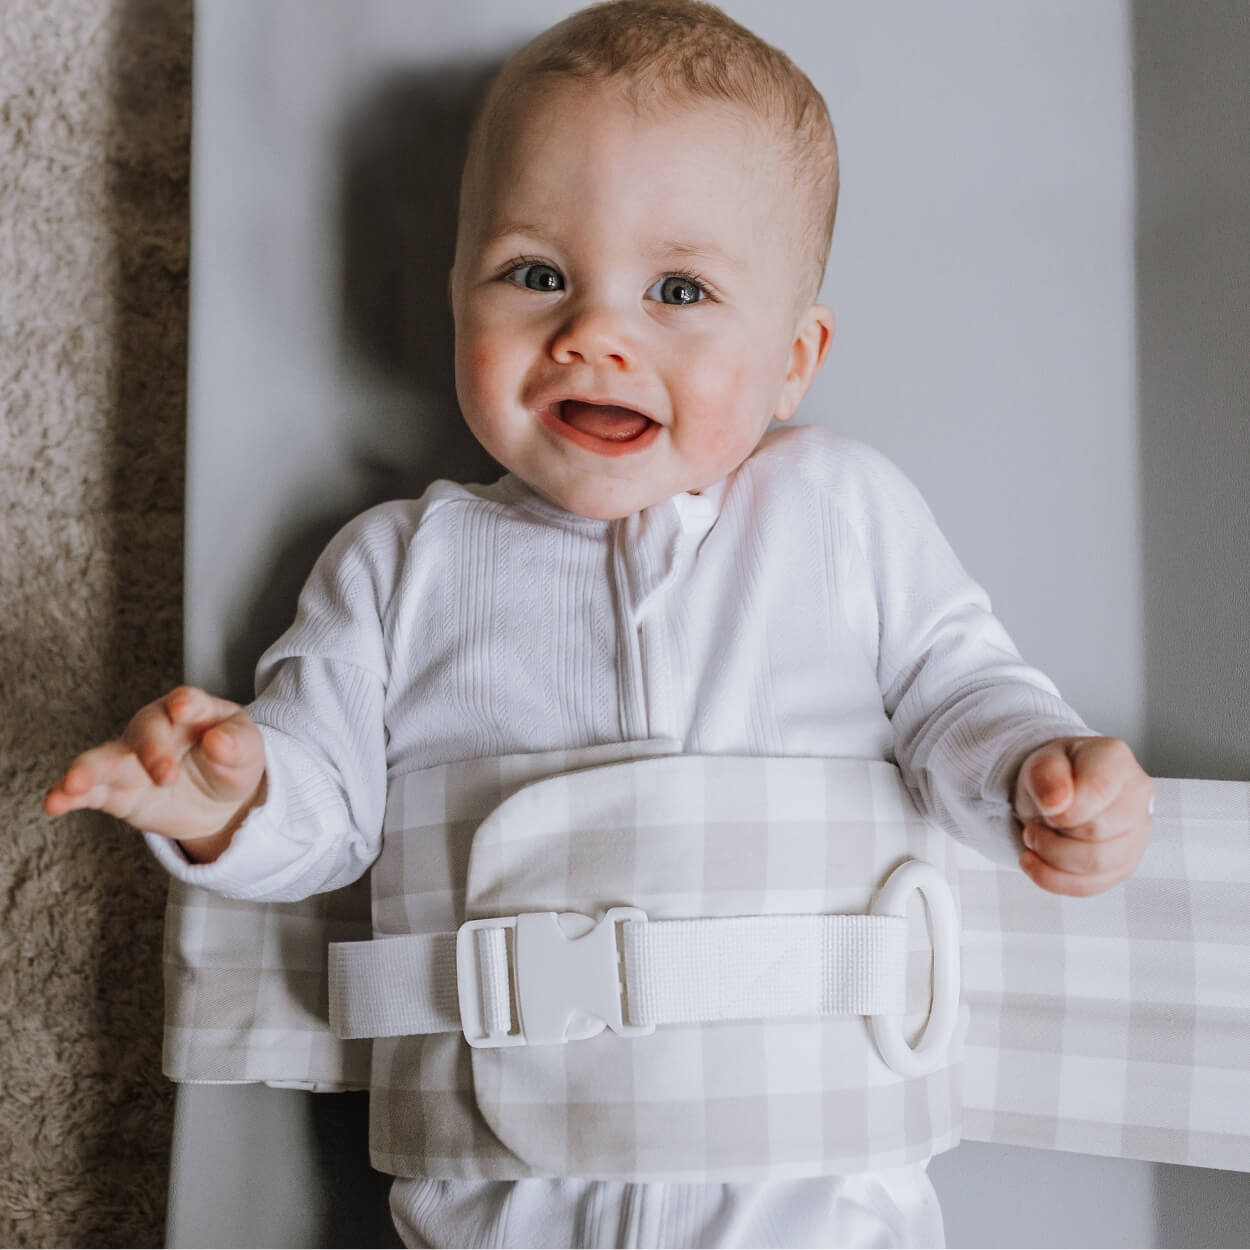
929,1054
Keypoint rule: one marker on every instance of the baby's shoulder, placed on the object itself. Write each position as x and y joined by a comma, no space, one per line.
401,520
380,541
832,467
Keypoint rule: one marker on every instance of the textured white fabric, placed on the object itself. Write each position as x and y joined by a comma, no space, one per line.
807,606
891,1208
403,985
750,967
675,971
492,962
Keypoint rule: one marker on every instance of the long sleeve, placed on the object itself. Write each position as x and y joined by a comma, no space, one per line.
965,708
320,705
809,605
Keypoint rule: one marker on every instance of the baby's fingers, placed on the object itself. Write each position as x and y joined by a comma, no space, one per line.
229,758
1109,782
1100,857
1046,784
1073,884
106,779
162,733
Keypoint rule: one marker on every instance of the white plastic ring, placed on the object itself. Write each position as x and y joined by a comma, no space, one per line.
930,1052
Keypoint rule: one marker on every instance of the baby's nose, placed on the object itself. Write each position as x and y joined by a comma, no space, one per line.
593,334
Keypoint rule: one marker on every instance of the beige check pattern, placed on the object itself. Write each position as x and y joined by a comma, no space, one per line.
1112,1025
246,995
1119,1025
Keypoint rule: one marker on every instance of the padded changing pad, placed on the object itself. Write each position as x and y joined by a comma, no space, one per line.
325,152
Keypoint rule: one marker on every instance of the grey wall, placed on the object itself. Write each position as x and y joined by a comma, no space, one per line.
1192,143
1192,81
1042,315
982,273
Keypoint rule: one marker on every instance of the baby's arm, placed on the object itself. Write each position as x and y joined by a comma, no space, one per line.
285,799
983,738
189,767
1085,804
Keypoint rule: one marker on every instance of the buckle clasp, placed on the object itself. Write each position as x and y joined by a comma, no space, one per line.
563,972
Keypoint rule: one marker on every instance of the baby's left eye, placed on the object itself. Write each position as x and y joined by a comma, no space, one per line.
677,289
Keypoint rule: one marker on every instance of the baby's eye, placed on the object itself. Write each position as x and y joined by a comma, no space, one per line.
536,277
677,289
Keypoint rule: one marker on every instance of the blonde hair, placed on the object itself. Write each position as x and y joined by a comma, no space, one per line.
664,49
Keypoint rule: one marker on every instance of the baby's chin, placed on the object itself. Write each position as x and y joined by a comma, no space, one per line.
598,500
596,508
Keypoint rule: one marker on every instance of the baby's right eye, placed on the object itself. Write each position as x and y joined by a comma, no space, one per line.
535,276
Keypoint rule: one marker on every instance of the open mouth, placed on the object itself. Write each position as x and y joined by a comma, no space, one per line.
619,425
604,428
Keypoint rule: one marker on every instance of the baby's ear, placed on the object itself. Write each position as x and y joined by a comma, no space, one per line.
812,339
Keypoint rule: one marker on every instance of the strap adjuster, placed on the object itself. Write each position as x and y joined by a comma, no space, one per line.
932,1050
562,971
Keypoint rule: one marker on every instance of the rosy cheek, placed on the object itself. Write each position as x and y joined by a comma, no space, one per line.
722,393
477,363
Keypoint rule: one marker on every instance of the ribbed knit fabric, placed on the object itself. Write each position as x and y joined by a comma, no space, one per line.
806,606
894,1207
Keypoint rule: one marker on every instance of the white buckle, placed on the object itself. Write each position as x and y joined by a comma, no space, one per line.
929,1053
565,977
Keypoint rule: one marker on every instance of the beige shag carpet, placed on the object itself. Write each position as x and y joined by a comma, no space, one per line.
94,158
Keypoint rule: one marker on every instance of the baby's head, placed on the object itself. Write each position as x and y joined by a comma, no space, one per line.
645,215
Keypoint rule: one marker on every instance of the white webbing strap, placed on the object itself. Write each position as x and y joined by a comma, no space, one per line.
752,967
496,996
675,972
394,987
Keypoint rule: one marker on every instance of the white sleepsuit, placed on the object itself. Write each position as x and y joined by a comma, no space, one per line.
805,606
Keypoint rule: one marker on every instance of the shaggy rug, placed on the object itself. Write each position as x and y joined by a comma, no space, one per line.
94,157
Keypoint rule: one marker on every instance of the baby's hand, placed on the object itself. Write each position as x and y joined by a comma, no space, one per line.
189,766
1085,805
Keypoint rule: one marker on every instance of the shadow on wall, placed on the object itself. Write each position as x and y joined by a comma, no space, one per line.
400,154
1192,96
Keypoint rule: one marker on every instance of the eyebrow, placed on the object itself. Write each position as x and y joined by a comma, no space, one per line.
680,249
697,250
510,228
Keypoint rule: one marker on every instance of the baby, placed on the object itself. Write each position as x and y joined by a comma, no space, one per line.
646,211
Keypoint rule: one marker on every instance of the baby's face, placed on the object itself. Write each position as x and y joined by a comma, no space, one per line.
627,299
